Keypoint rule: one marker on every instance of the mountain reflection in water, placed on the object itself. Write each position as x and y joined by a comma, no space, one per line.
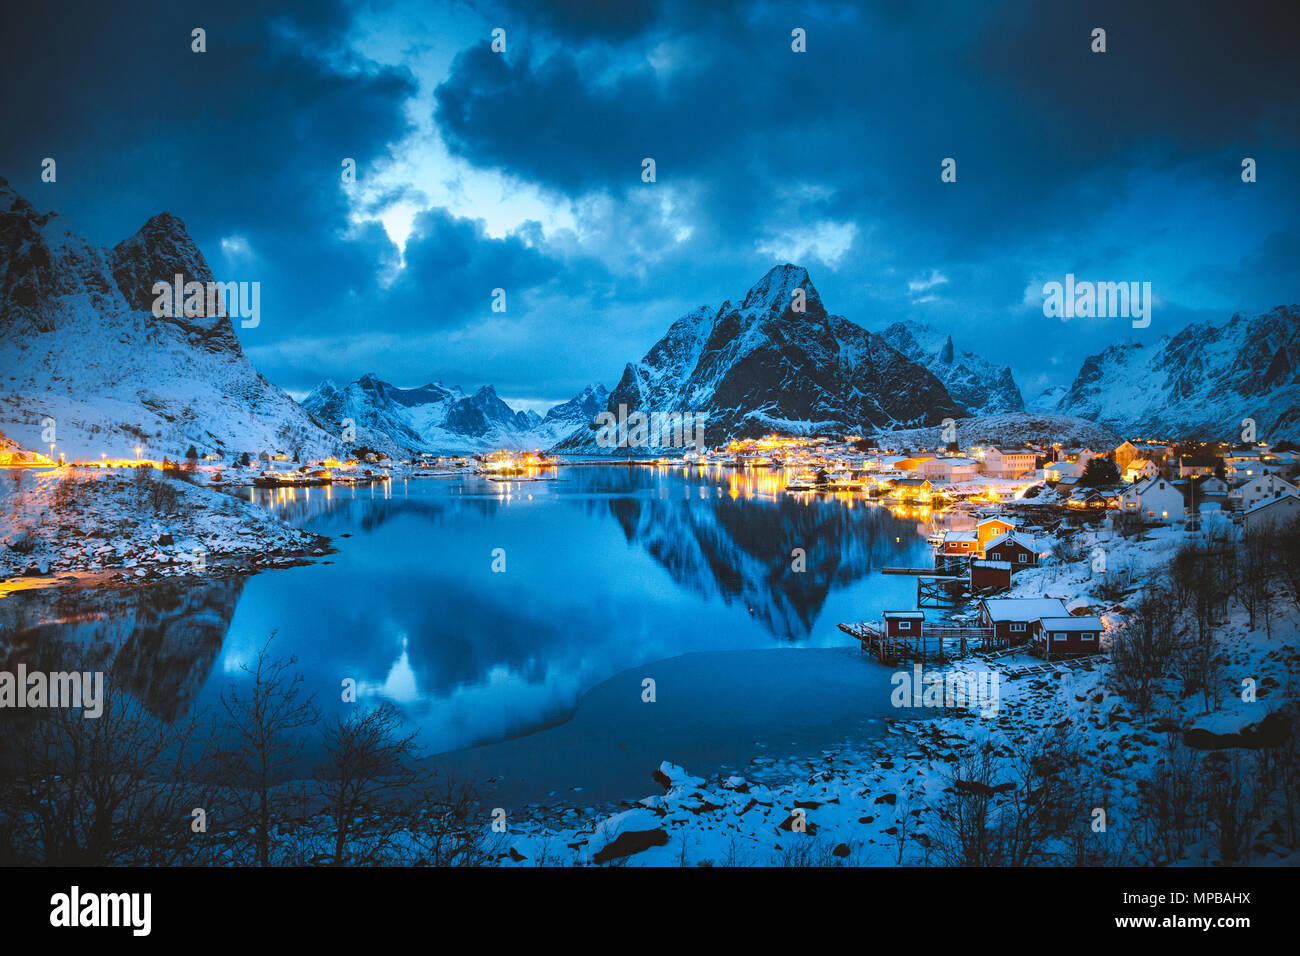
607,568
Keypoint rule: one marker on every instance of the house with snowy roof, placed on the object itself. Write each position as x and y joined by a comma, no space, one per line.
1012,619
1156,499
1272,513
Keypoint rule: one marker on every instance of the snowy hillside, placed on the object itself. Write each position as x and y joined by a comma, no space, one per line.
765,366
1012,429
80,346
974,382
440,418
1200,383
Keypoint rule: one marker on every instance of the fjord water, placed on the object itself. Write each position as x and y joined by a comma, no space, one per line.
530,679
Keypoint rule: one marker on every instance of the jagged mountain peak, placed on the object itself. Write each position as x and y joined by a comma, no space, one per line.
974,381
1200,382
766,367
775,290
78,333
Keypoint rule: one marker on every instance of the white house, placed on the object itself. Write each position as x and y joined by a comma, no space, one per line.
949,469
1260,489
1272,512
1008,462
1155,499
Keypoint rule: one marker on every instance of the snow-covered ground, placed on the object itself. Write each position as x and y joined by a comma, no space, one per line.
897,800
135,523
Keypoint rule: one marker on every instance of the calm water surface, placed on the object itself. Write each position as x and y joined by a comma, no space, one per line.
532,676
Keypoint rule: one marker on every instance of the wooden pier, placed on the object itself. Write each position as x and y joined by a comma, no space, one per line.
936,642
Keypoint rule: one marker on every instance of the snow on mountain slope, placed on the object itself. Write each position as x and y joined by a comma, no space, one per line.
1012,428
973,381
1047,399
1200,383
80,346
440,418
763,366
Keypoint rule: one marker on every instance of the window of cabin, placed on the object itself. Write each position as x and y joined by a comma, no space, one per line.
1087,637
1060,637
1017,628
904,625
1022,558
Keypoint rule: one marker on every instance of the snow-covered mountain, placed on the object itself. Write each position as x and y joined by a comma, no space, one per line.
972,380
764,366
1047,399
82,353
1200,383
442,418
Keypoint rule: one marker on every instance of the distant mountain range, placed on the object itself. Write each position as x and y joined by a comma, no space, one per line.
87,366
1201,382
82,354
441,418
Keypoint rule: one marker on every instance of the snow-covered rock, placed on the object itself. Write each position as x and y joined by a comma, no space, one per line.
766,366
1199,383
972,380
84,355
442,418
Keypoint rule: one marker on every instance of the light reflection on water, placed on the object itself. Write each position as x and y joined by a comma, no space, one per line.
606,568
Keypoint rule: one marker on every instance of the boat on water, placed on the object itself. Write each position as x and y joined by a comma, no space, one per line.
804,481
292,480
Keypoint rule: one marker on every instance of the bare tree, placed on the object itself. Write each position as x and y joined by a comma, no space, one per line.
1141,650
369,781
117,789
262,739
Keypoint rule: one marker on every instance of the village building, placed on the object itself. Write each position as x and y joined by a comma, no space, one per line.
1246,496
1141,468
1012,619
1010,547
990,528
1272,513
906,624
959,543
1059,636
1152,451
1085,499
1056,470
990,575
1190,466
1009,462
1078,456
917,489
949,470
1204,493
1155,499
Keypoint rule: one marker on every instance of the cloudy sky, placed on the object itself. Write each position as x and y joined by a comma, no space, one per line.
521,170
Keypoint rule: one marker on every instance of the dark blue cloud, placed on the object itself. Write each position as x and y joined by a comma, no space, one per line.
1123,165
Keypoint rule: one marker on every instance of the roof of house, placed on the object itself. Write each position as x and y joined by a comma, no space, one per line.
1024,609
904,615
1199,461
1009,537
1000,519
1082,623
999,565
1270,502
959,536
912,482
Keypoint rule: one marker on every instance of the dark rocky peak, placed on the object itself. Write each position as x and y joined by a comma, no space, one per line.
775,291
